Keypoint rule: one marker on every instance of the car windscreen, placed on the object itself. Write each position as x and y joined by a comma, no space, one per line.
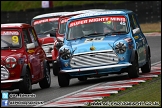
96,26
62,25
10,39
45,25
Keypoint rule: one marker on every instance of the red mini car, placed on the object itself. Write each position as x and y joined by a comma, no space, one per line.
23,61
46,26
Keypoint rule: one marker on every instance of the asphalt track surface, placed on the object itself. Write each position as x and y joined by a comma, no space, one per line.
54,95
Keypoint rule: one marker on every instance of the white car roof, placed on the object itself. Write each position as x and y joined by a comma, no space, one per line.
50,15
14,25
93,10
98,13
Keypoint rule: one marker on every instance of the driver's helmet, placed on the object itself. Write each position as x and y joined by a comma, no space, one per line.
88,29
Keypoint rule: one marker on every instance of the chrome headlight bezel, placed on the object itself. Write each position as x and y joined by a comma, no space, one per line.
65,53
4,73
10,62
120,48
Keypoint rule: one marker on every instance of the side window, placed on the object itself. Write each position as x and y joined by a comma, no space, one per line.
133,22
33,36
26,36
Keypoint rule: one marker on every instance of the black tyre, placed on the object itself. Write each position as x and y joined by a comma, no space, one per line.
63,80
25,86
56,68
46,81
133,70
147,67
82,78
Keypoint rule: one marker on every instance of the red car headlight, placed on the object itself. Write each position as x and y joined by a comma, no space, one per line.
10,62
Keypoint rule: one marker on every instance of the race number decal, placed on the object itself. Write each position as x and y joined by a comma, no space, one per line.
15,39
94,39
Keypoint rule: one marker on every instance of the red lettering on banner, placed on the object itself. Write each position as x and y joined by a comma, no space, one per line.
64,20
9,33
99,19
117,19
53,19
45,20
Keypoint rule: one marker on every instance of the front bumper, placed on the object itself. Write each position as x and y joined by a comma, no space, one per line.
94,68
10,81
5,75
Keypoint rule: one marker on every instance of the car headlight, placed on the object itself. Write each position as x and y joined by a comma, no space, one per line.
10,62
4,73
65,53
59,45
120,48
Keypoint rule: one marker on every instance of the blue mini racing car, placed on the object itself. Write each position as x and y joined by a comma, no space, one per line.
103,43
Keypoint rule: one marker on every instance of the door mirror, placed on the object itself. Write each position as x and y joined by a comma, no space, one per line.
30,46
135,31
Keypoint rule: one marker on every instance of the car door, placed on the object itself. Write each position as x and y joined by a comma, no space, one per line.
31,55
36,56
139,39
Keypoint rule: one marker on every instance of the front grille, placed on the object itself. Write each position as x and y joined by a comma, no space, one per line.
4,73
47,46
94,59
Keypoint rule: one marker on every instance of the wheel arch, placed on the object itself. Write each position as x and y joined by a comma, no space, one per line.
25,66
134,53
44,65
148,51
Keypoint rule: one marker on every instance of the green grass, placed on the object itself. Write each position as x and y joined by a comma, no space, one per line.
24,5
148,92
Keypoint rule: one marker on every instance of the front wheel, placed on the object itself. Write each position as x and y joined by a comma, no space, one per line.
133,70
63,80
25,86
147,67
46,81
55,68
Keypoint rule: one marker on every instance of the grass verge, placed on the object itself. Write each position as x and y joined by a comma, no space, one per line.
151,27
148,92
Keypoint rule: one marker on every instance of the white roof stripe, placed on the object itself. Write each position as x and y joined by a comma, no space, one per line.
50,14
98,13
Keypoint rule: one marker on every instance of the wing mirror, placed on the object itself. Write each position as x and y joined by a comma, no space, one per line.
135,31
30,46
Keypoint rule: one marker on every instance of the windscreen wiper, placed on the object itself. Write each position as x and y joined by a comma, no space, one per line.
95,34
119,32
108,34
49,30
